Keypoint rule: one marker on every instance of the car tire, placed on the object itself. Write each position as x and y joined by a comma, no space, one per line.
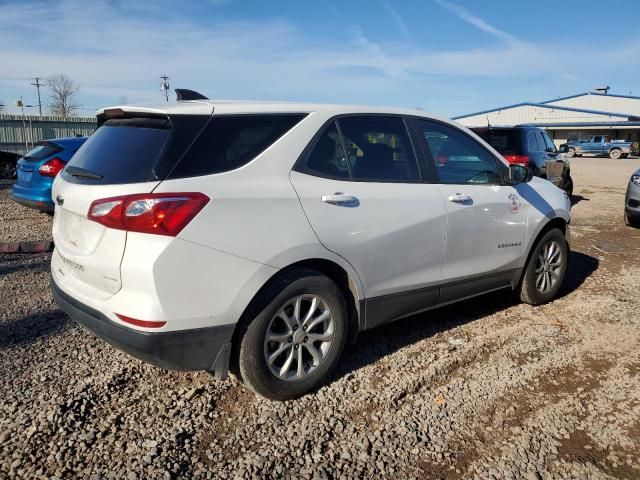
304,363
569,187
546,268
631,222
571,152
615,153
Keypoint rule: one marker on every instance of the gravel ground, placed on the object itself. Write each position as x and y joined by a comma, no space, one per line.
486,389
21,224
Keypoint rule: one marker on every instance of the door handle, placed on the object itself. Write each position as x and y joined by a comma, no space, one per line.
459,198
341,199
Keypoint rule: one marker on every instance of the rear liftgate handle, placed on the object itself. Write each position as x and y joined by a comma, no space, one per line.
341,199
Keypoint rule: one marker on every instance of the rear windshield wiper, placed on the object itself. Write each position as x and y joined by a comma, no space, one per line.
82,173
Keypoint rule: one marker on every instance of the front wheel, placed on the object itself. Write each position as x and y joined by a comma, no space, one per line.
615,154
292,345
571,152
544,274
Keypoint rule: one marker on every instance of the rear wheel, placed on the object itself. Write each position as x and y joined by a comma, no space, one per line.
615,153
7,171
546,269
296,340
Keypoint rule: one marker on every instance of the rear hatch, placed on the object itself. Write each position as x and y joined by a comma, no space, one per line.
28,165
128,154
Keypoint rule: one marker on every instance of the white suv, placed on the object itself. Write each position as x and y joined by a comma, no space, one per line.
260,236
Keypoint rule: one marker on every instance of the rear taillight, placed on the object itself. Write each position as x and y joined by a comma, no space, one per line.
156,213
51,168
520,159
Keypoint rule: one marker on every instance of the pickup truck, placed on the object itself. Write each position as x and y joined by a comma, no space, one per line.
599,145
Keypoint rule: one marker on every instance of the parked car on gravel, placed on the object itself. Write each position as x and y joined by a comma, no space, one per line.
38,168
599,145
632,201
532,147
259,237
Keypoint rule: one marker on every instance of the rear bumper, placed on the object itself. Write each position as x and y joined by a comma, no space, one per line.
194,349
38,204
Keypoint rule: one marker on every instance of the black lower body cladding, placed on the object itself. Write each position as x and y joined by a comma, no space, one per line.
195,349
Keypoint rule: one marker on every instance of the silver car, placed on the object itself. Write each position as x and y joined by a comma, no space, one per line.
632,201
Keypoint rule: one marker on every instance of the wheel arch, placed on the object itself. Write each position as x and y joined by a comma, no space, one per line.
339,275
555,222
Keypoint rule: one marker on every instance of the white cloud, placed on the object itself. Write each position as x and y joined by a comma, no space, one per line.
397,18
464,14
115,49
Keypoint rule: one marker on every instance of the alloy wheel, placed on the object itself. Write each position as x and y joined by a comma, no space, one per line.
548,266
299,337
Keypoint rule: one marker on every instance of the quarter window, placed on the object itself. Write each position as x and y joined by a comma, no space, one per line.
378,149
459,159
231,141
327,157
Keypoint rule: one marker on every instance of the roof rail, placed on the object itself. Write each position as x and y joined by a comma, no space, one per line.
186,94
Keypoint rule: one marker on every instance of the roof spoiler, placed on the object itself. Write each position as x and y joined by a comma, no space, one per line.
186,94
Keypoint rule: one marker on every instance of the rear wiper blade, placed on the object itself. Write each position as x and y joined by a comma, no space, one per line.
81,172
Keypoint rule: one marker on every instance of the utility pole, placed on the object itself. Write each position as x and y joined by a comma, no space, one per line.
164,86
37,84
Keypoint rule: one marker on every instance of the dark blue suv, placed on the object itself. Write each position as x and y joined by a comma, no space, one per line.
38,168
530,146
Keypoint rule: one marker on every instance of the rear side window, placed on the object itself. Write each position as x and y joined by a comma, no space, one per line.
378,149
231,141
533,142
506,142
42,150
122,150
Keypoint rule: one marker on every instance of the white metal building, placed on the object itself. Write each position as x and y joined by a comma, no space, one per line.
569,118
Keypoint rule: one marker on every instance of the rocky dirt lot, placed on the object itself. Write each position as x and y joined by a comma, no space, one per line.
486,389
21,224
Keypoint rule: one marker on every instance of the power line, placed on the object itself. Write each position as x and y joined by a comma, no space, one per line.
37,84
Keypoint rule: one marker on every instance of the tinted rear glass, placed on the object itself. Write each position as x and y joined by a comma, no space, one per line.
122,150
231,141
504,141
42,151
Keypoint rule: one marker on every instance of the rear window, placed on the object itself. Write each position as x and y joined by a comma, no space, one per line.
507,142
231,141
43,150
122,150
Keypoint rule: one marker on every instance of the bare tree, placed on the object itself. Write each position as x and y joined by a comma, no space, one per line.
62,93
1,107
123,100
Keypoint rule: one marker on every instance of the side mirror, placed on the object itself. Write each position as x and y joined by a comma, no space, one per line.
519,174
563,148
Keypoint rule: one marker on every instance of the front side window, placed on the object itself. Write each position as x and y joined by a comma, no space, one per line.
551,147
459,159
327,157
378,149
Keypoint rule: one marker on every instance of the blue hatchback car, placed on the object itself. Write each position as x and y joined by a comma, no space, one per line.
38,168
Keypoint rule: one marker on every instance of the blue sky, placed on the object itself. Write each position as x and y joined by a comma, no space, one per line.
446,56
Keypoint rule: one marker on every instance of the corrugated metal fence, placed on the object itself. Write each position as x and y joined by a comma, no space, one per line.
18,133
